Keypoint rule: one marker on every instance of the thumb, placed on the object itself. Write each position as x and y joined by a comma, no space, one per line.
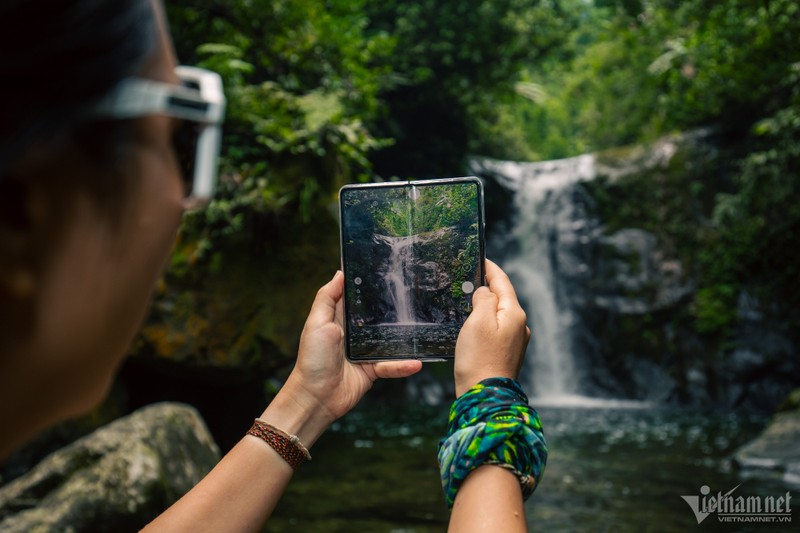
484,306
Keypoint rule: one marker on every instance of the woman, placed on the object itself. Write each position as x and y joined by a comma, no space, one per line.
91,196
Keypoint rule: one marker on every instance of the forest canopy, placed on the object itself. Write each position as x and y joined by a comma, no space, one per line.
323,93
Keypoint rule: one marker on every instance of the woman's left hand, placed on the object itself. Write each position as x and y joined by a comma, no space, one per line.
324,384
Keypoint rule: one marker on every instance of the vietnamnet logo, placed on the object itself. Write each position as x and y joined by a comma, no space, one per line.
731,508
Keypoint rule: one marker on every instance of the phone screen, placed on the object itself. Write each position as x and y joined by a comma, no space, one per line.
412,255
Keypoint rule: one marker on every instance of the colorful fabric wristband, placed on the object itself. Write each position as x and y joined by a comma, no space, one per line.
492,423
287,446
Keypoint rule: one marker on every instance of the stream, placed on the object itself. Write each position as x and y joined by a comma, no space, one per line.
612,467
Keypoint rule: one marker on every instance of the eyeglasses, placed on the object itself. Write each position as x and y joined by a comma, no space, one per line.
200,105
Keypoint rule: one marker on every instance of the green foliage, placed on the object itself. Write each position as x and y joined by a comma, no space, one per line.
301,79
445,207
597,92
727,55
462,44
756,228
453,62
401,211
632,71
715,308
464,264
322,93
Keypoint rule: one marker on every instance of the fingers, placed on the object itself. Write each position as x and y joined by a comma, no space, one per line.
323,310
396,369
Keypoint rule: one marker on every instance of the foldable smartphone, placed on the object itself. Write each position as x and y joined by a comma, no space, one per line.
412,255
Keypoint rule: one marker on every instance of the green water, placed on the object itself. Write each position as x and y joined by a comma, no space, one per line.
610,469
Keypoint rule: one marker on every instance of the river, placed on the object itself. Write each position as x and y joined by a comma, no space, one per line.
612,467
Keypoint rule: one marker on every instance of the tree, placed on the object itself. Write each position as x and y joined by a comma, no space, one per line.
301,79
453,62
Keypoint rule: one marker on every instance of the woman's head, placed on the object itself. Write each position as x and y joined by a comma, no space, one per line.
61,57
88,208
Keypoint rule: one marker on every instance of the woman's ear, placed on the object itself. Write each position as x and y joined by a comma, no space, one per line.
21,246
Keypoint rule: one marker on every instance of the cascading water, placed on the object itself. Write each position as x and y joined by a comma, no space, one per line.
547,219
400,260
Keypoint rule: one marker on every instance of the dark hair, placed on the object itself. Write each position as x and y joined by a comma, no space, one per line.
59,58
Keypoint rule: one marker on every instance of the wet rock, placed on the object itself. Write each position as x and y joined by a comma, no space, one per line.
426,261
595,289
763,367
603,250
651,381
776,450
632,275
116,479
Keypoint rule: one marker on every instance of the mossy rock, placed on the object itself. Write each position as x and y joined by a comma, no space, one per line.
247,308
116,479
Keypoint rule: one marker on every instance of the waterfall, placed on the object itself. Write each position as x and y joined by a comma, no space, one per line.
400,261
547,223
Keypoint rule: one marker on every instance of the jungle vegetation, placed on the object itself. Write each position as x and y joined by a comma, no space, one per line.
327,92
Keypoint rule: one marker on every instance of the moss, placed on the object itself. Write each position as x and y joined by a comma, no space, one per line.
791,403
164,341
666,189
247,307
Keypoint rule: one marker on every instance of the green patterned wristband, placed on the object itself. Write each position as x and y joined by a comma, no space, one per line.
492,423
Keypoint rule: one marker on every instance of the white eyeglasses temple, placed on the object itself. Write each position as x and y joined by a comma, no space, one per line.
135,97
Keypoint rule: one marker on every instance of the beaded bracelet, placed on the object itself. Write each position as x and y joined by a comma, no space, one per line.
288,446
492,423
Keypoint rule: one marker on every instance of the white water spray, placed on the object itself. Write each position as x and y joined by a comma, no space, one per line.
400,260
546,217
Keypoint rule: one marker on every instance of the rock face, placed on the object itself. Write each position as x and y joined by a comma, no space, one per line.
422,266
583,280
633,277
603,250
116,479
777,449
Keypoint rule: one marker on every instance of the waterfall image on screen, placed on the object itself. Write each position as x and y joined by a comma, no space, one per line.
411,255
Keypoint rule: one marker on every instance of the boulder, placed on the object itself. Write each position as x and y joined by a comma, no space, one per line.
762,367
116,479
776,450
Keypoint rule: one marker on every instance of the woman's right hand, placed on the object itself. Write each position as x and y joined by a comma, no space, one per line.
492,341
